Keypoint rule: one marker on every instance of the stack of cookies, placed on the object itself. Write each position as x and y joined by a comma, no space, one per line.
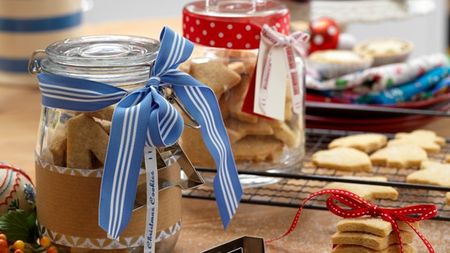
370,235
252,138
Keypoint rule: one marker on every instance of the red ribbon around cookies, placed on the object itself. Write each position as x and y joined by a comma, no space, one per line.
349,205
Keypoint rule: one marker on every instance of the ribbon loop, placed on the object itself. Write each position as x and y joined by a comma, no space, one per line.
296,40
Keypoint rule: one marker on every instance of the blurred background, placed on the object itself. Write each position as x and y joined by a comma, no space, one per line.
428,32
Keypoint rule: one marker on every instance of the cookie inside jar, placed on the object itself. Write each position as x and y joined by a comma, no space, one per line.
230,37
258,142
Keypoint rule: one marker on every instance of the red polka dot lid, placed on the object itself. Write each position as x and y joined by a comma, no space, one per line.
233,25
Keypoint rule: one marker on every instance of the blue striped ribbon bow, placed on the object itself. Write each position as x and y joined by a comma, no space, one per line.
144,117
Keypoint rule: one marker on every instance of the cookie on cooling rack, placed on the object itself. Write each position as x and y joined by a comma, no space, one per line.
447,158
400,156
365,142
432,173
426,139
366,191
342,158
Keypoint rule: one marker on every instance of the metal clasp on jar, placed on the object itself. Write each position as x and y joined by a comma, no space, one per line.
168,93
34,66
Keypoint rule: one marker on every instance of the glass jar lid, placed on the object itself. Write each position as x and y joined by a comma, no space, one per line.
236,8
104,50
113,59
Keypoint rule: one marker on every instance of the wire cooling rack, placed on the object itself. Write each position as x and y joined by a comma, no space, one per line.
288,189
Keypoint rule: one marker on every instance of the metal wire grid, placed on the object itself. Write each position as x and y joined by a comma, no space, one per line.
289,189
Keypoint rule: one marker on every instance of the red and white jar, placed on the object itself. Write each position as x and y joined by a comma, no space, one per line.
227,34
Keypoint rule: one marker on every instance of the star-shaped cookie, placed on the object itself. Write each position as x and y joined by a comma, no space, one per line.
432,173
428,140
364,142
348,159
399,156
366,191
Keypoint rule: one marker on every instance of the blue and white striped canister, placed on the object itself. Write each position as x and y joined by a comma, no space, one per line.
27,25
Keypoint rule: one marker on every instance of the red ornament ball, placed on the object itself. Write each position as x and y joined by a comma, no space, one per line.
324,34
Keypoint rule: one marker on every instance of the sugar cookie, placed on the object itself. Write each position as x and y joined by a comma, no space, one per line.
348,159
447,158
235,102
287,135
428,140
86,139
104,114
257,148
432,173
395,248
364,142
237,67
369,192
370,241
375,226
245,128
399,156
216,75
58,144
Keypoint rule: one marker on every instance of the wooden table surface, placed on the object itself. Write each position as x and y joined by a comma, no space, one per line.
19,117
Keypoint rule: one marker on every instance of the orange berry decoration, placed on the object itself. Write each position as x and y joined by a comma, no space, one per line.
45,242
19,244
3,243
52,249
3,236
18,251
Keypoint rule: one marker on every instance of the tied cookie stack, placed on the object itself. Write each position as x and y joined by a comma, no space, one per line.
371,235
369,228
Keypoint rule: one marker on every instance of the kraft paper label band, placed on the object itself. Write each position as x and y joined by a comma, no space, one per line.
71,171
75,193
102,243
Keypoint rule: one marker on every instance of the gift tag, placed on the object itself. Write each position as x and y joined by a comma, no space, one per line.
270,82
152,198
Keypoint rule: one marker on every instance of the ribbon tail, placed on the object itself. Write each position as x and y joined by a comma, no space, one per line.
152,198
202,104
397,233
422,237
297,78
123,163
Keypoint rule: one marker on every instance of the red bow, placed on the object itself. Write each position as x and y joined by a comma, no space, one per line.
349,205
